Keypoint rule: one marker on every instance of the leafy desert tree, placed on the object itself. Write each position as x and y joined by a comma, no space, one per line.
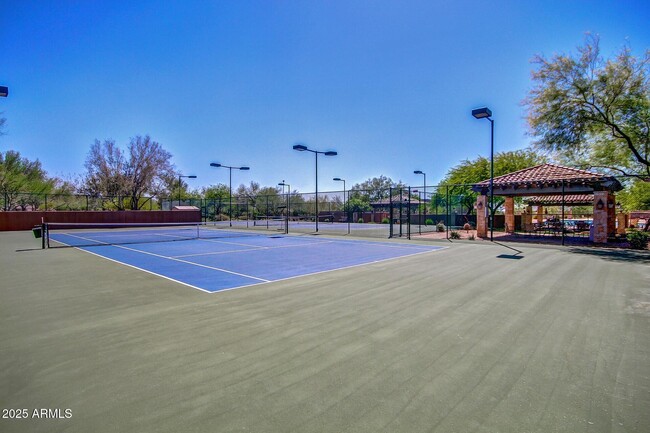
215,192
145,168
375,189
23,182
216,197
260,198
636,196
174,188
460,178
593,111
359,204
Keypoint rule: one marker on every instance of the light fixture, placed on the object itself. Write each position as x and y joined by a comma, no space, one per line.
179,185
216,164
301,148
486,113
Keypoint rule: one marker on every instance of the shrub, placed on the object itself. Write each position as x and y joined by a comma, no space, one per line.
638,240
471,237
454,235
467,226
440,227
428,222
360,221
385,221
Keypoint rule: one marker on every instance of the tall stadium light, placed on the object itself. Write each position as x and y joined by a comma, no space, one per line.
179,186
286,221
486,113
424,192
4,91
216,164
347,211
302,148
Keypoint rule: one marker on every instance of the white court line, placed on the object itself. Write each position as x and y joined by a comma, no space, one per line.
253,248
192,263
331,270
262,281
173,259
147,271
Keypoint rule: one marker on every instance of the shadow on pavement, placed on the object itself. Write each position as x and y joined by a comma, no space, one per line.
618,255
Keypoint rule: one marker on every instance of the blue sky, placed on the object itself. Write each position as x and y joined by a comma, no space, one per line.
389,85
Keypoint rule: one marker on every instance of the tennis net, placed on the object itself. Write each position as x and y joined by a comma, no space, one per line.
95,234
269,221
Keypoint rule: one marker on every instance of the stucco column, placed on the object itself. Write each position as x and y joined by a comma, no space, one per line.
481,216
622,222
598,232
527,219
510,214
611,214
540,214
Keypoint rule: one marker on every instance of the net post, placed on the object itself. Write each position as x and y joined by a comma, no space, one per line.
44,234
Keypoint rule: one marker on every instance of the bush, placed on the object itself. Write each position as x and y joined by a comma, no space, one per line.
385,221
428,222
467,227
360,221
638,240
440,227
471,237
454,235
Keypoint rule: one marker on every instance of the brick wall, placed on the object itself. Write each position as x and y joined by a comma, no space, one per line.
10,221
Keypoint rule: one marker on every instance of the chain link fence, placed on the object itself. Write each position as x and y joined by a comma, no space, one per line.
25,201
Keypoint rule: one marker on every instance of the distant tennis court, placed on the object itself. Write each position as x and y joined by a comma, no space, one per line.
214,260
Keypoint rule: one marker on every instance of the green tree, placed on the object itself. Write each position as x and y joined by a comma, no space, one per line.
23,183
145,168
376,188
636,196
216,197
358,204
460,178
592,111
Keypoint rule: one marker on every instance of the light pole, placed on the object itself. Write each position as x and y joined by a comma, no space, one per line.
179,186
424,188
303,148
286,222
215,164
347,211
486,113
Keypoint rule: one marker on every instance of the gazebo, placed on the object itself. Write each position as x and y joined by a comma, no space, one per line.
551,184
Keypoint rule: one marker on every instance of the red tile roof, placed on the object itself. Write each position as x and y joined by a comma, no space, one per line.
569,199
546,173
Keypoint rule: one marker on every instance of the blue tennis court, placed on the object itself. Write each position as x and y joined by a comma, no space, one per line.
228,261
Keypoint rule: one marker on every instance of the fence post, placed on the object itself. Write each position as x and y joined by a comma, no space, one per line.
408,215
562,225
401,211
390,212
448,217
